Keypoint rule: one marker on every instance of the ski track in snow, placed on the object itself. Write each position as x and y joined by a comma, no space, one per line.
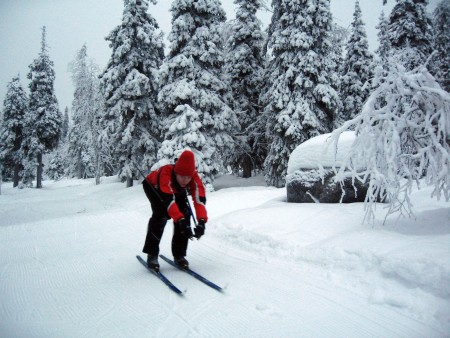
75,274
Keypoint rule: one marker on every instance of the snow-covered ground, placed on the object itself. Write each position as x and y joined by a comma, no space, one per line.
68,266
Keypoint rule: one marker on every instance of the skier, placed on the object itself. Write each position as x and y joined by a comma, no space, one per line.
167,190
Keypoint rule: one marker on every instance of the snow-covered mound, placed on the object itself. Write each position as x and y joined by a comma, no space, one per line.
311,173
320,152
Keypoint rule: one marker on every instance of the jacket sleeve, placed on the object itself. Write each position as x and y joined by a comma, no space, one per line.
162,180
197,190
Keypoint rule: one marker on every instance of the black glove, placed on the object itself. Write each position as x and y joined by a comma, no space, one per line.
185,228
200,228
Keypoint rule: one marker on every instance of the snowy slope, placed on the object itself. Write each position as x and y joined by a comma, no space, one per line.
68,267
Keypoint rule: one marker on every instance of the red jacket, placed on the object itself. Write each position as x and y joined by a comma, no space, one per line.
163,180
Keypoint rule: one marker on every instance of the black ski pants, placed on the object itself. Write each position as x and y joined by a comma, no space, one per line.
158,221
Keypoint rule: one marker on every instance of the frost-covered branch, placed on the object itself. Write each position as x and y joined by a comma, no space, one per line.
403,136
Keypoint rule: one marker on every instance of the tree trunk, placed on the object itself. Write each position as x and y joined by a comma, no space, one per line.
129,182
39,171
97,171
98,164
16,176
79,166
247,167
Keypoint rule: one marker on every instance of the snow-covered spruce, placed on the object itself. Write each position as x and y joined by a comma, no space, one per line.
300,99
194,98
130,87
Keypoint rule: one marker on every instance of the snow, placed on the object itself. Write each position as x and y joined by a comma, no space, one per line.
68,266
320,152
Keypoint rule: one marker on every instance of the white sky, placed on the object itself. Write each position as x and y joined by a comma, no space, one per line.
71,23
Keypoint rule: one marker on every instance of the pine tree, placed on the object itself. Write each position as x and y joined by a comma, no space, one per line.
339,37
274,21
43,122
440,65
84,150
195,99
410,32
65,124
356,69
383,55
12,129
384,46
244,68
130,85
302,100
56,167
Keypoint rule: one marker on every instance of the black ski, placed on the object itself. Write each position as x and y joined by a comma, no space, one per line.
193,274
160,276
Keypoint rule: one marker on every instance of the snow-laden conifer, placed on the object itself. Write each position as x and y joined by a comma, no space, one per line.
43,120
440,64
194,98
384,45
302,99
244,69
274,21
410,33
84,154
65,125
130,86
55,169
403,136
12,129
356,69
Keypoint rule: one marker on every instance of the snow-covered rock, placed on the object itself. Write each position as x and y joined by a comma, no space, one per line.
311,172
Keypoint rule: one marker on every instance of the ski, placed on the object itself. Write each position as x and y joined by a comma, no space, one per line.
160,276
193,274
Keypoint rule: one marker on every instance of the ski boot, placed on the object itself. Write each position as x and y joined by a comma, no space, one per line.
181,262
152,262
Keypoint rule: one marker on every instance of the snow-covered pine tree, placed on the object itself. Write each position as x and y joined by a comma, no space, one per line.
11,130
380,62
43,121
410,33
384,45
65,124
415,112
302,99
58,158
440,64
274,21
356,69
244,69
130,86
195,99
56,165
339,37
84,149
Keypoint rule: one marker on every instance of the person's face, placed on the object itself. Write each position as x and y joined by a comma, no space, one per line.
183,180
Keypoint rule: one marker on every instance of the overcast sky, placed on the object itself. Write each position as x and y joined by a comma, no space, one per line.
71,23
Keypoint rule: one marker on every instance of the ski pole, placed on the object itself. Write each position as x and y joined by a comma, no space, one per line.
190,209
151,186
142,174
